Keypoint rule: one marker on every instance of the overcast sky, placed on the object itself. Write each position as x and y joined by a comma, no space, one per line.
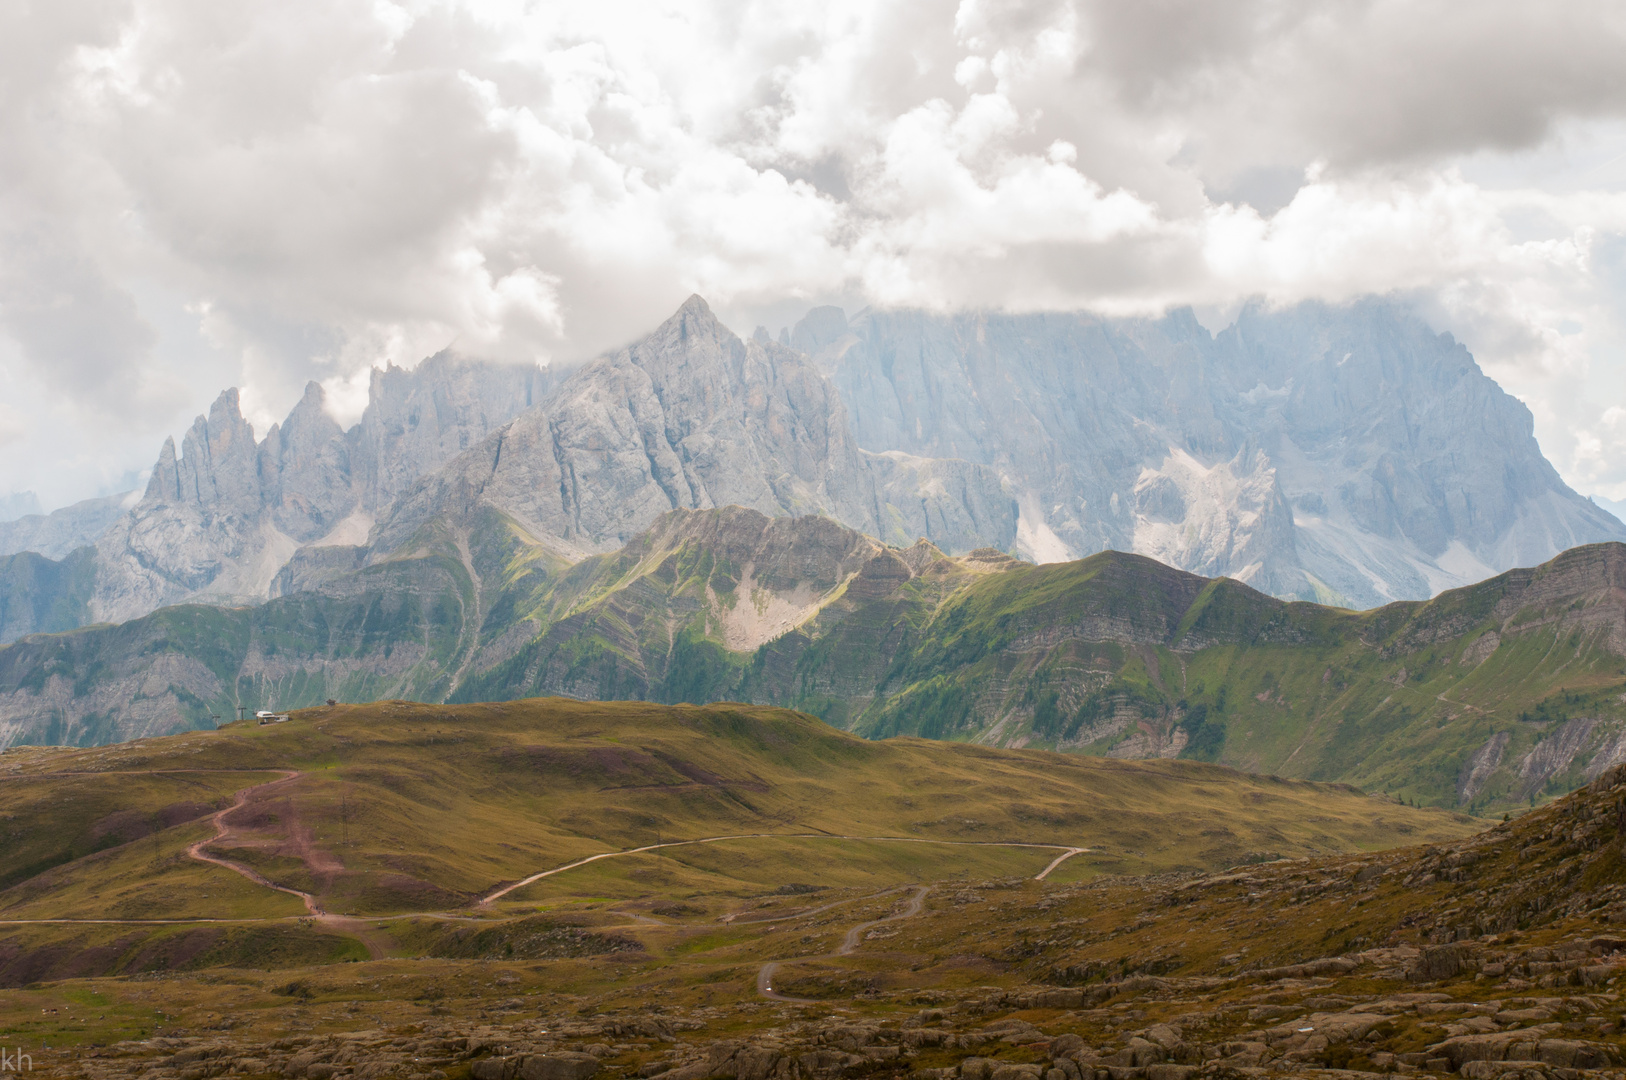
196,194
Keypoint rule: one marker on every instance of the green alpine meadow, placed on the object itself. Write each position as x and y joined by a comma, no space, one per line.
1499,695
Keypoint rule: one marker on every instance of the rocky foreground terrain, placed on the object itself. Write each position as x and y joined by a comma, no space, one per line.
1497,956
1282,1032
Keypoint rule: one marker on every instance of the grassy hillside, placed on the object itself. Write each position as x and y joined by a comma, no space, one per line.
1491,954
483,794
410,810
1487,698
1119,655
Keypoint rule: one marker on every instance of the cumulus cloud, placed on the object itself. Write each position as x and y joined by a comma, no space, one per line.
196,194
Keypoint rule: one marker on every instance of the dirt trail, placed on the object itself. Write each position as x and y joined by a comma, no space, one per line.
1058,860
849,944
354,927
1067,853
321,861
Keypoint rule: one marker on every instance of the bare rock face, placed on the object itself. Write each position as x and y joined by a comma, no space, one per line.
55,534
222,516
199,521
419,419
306,473
692,417
1347,455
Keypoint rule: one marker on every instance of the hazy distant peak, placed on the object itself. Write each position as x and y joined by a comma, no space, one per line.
19,504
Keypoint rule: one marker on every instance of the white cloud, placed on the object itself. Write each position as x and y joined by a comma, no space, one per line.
194,195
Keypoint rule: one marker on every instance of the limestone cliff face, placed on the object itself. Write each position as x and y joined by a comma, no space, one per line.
55,534
1345,454
419,419
197,528
222,516
692,417
1348,455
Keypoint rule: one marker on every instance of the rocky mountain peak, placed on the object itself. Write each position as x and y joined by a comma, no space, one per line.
221,517
819,328
1344,453
692,417
217,464
164,481
1347,454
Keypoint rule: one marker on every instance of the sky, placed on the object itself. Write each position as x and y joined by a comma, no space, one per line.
197,194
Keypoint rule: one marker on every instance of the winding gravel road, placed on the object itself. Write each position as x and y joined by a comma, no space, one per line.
367,934
849,944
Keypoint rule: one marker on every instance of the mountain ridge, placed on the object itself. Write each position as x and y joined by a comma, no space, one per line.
1346,454
1485,696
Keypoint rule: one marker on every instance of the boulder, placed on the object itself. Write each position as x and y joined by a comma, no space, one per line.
560,1066
1170,1072
1016,1072
1440,962
1139,1053
755,1063
977,1068
826,1063
1465,1048
1575,1054
1065,1045
925,1037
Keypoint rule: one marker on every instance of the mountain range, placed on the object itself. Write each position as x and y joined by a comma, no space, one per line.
1346,455
811,521
1486,696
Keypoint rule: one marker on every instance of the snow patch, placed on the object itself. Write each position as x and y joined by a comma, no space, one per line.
1262,392
351,532
1200,517
1036,539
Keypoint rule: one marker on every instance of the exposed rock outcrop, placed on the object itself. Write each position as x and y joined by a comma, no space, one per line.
692,417
220,517
55,534
1338,454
